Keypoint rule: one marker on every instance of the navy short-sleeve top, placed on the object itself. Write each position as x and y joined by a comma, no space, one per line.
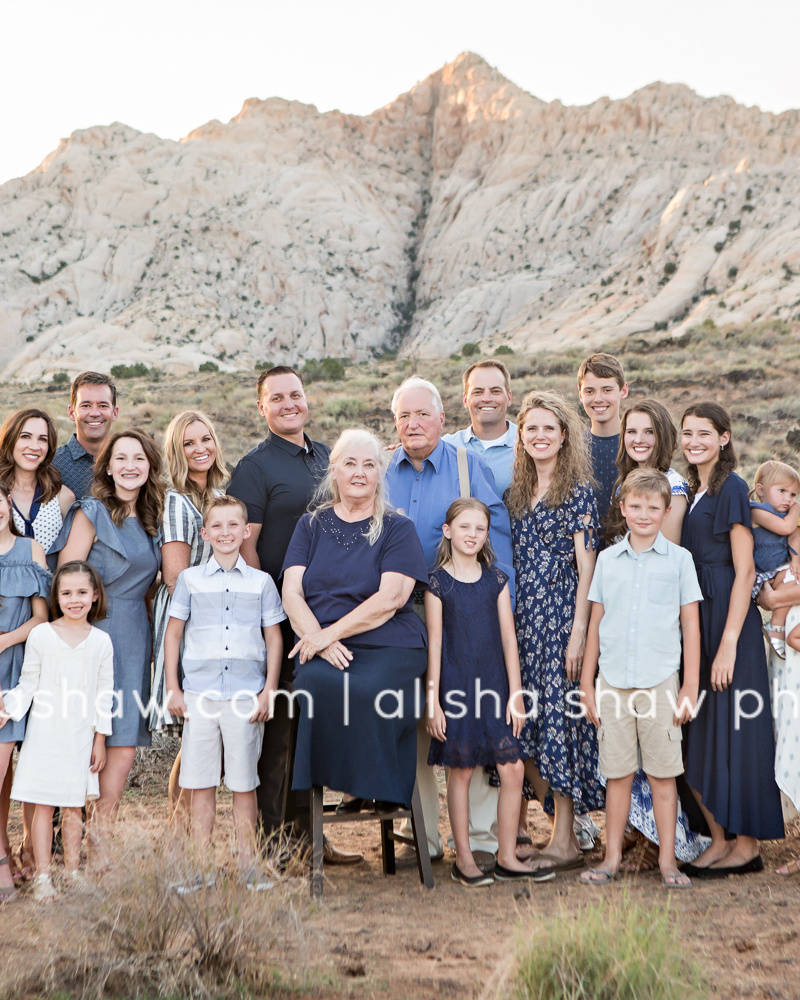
342,570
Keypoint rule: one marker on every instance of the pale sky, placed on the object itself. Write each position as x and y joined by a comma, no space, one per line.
168,66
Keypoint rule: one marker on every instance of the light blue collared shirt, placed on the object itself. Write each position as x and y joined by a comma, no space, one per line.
498,455
224,656
425,496
642,596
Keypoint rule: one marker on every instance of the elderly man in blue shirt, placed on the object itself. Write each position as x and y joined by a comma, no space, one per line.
423,481
487,397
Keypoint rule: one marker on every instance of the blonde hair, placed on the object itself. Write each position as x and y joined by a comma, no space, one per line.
327,493
572,463
641,482
445,551
178,466
772,472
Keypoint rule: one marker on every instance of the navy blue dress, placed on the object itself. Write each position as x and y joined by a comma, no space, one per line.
343,742
563,747
732,768
472,649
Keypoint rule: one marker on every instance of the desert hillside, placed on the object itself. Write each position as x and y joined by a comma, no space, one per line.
466,210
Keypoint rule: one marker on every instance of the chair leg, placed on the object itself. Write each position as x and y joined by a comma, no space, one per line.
387,847
420,840
317,841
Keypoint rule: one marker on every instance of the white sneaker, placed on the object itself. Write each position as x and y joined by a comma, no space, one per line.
194,884
255,881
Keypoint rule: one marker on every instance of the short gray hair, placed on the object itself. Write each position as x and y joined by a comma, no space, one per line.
415,382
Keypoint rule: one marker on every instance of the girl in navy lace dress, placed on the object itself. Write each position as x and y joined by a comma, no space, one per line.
475,710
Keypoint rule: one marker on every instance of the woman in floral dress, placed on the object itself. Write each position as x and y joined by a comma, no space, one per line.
554,523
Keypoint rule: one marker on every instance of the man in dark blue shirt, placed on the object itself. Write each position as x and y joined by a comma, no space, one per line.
93,409
276,481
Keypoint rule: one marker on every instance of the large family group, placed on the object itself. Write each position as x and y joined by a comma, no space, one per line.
548,610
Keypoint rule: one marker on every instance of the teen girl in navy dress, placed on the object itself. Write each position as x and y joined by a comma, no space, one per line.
729,767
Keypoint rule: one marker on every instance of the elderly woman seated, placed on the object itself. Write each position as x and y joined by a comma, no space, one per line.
349,574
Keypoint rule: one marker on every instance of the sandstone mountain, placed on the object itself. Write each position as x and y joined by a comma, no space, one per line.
467,210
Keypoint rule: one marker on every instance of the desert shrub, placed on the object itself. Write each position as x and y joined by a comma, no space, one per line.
324,370
346,407
503,349
670,267
137,370
208,366
263,366
719,247
132,937
60,378
732,272
612,951
470,348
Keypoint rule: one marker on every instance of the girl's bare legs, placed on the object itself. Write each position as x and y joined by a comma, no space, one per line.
204,807
119,761
458,809
6,749
42,835
71,836
719,848
28,809
562,846
522,822
508,814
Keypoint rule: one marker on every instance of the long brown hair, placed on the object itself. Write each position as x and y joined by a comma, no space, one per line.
98,609
727,462
4,491
572,464
150,502
47,477
666,435
177,465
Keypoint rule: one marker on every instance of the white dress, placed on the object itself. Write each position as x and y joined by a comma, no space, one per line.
785,690
71,691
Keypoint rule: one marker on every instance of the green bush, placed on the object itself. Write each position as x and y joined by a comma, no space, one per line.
670,267
137,370
209,366
503,349
732,272
263,366
611,951
719,247
346,407
469,349
60,378
324,370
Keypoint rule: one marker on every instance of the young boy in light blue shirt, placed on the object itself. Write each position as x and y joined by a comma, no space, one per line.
644,596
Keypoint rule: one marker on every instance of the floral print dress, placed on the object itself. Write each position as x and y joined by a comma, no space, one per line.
562,744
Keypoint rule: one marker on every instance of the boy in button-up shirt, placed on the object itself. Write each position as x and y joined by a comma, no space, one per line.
644,596
231,661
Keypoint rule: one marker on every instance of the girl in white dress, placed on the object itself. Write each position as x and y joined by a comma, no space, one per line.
68,676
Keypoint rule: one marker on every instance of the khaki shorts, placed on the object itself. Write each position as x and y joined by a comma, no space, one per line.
634,721
212,726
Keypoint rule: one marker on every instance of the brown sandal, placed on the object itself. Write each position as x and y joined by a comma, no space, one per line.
7,892
790,869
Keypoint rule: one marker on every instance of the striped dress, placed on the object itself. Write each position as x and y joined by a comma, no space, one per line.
182,523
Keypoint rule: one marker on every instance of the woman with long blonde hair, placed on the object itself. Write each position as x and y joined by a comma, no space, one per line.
554,524
196,472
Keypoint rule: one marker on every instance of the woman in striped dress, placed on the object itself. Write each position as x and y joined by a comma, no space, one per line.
197,472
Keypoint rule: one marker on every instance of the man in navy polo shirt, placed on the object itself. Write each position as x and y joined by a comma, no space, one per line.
276,481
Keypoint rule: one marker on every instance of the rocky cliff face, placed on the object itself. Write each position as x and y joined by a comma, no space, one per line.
467,210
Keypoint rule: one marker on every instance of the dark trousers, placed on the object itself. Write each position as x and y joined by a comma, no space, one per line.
277,804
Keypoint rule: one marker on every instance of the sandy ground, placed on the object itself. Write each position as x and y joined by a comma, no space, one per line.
377,936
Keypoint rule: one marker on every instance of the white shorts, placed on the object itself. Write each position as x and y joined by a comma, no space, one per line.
214,726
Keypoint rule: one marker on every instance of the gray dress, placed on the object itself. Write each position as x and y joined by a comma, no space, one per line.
128,560
21,579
